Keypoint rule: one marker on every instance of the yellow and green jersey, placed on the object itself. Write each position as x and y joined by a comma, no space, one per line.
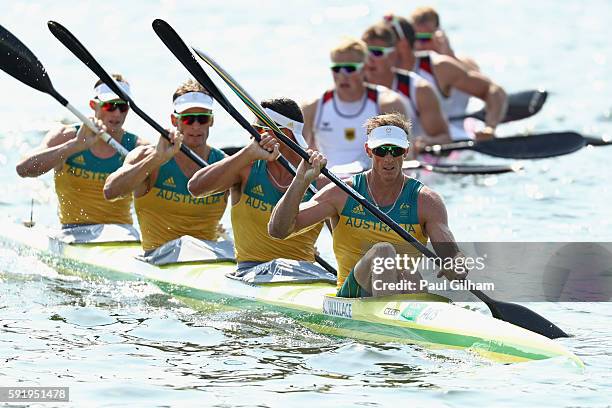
79,185
168,211
358,230
250,218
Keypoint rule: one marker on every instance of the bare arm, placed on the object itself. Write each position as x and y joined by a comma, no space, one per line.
390,101
55,148
226,173
290,215
434,219
430,114
454,75
135,173
309,110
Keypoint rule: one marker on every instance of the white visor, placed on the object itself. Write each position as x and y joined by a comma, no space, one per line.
293,125
192,100
388,135
105,94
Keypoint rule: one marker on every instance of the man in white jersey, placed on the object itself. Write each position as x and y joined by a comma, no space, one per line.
333,123
421,102
448,76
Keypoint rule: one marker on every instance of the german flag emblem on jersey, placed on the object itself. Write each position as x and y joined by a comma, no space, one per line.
349,133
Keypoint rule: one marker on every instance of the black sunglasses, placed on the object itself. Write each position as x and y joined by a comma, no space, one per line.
382,151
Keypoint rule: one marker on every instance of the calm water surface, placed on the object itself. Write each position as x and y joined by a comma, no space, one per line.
127,343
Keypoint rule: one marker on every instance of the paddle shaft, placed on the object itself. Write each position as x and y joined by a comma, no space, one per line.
20,62
512,313
78,49
104,136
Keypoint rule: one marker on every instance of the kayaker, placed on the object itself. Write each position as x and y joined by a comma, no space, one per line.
359,238
158,176
333,123
257,181
429,36
82,161
447,76
422,106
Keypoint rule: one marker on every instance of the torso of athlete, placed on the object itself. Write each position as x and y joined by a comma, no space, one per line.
79,186
338,126
168,211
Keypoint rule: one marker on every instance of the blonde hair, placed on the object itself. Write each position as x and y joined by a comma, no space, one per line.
116,77
351,45
380,31
190,85
424,15
389,119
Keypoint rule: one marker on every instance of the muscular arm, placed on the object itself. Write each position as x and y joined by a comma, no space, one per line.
133,175
390,101
434,219
309,110
290,215
430,114
220,176
55,148
452,74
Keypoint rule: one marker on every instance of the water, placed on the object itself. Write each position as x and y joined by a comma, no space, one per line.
118,344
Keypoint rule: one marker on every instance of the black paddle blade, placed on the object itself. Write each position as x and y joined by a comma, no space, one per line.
465,169
532,147
526,318
74,45
19,62
177,46
521,105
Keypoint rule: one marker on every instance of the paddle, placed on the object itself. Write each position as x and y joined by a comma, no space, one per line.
79,50
521,105
509,312
174,43
445,168
598,141
19,62
536,146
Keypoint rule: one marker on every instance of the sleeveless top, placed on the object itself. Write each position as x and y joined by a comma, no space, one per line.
168,211
250,218
404,83
341,137
358,230
455,104
79,187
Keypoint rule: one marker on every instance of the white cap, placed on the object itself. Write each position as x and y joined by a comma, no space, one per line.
388,135
105,94
192,100
293,125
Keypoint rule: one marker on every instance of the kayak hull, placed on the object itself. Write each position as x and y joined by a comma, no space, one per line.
427,320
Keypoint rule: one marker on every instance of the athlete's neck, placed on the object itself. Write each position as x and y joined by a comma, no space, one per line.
280,177
384,190
383,78
352,94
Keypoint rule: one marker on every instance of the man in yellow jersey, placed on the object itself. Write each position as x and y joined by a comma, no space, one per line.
359,238
452,81
82,161
333,122
257,181
429,36
429,125
158,176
